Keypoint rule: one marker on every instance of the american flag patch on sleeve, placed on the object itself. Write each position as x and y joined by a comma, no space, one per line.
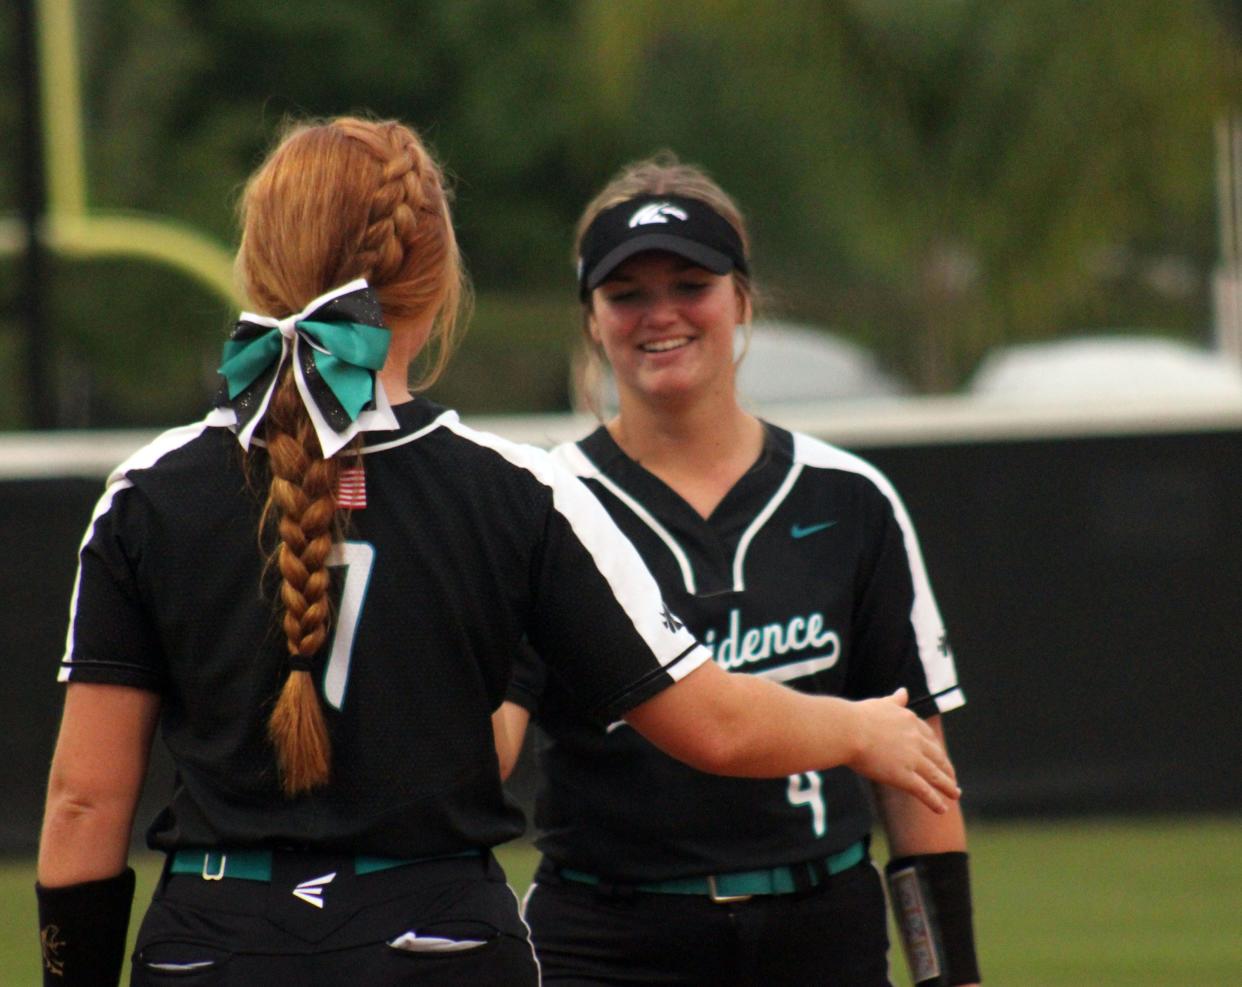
351,489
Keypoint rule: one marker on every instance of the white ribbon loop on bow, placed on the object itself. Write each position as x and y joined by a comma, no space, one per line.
379,418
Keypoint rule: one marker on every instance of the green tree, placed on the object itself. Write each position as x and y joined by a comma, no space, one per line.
937,178
929,179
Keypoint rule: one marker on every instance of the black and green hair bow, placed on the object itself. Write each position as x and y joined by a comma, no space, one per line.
337,345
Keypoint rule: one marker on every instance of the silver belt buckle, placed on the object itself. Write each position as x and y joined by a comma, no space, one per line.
723,899
220,872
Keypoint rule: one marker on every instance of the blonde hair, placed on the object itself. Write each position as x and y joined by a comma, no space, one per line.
334,201
661,174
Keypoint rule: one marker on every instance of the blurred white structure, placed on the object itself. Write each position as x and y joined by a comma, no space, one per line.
787,363
832,389
1106,368
1227,280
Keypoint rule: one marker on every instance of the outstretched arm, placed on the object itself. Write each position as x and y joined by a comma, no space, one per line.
911,828
745,726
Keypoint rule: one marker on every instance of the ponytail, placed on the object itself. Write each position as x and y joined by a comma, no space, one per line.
335,201
302,496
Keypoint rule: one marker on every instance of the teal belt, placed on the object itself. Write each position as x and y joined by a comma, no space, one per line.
255,865
738,886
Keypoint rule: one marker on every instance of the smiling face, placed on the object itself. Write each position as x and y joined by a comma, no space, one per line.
666,327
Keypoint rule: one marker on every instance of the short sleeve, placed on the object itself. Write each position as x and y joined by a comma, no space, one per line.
599,619
529,678
111,637
899,638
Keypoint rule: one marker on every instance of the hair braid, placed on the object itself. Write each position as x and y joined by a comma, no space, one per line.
303,493
407,249
391,220
334,201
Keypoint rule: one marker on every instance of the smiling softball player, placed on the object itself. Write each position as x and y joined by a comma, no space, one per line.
792,561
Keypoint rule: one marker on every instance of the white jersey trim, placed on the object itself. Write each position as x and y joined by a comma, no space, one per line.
618,560
800,669
580,465
118,480
739,558
937,658
444,419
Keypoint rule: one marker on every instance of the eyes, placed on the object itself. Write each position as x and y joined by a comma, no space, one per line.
627,294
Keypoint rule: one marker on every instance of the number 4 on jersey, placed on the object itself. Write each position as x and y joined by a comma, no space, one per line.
356,559
807,789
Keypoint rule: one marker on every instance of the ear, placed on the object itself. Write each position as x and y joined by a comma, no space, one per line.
592,327
743,301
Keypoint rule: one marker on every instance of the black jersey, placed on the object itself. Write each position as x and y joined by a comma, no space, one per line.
466,545
807,573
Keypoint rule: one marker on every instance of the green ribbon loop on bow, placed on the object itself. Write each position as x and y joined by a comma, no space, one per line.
246,359
354,352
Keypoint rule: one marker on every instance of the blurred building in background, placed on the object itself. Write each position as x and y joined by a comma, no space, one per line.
1107,369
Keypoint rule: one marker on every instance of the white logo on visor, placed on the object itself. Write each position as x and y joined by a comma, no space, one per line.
656,212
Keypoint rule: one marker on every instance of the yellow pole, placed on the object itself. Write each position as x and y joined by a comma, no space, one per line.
73,230
62,108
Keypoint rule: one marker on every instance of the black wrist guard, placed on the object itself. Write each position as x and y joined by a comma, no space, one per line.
930,895
83,929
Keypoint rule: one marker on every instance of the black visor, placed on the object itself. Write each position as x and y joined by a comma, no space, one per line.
687,227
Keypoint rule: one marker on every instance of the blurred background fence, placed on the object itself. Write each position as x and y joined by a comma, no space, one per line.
1087,565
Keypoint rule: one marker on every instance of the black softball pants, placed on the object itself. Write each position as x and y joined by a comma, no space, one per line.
834,934
439,923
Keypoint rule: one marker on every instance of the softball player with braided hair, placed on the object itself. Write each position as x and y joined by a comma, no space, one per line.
327,694
792,561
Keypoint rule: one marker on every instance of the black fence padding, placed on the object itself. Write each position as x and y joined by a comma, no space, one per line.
44,521
1091,588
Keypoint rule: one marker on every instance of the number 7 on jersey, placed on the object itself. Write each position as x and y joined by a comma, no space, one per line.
356,559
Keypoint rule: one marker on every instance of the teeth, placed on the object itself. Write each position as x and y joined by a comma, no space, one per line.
663,345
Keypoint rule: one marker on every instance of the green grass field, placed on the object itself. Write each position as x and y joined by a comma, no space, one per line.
1072,904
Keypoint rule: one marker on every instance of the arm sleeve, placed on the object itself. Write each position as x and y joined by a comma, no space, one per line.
599,619
111,639
899,637
529,679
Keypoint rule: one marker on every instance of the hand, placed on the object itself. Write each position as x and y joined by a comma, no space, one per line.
900,750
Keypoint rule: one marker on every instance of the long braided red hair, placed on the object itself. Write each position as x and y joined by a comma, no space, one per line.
334,201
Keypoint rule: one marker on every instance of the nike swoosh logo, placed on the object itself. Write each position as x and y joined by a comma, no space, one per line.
799,531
